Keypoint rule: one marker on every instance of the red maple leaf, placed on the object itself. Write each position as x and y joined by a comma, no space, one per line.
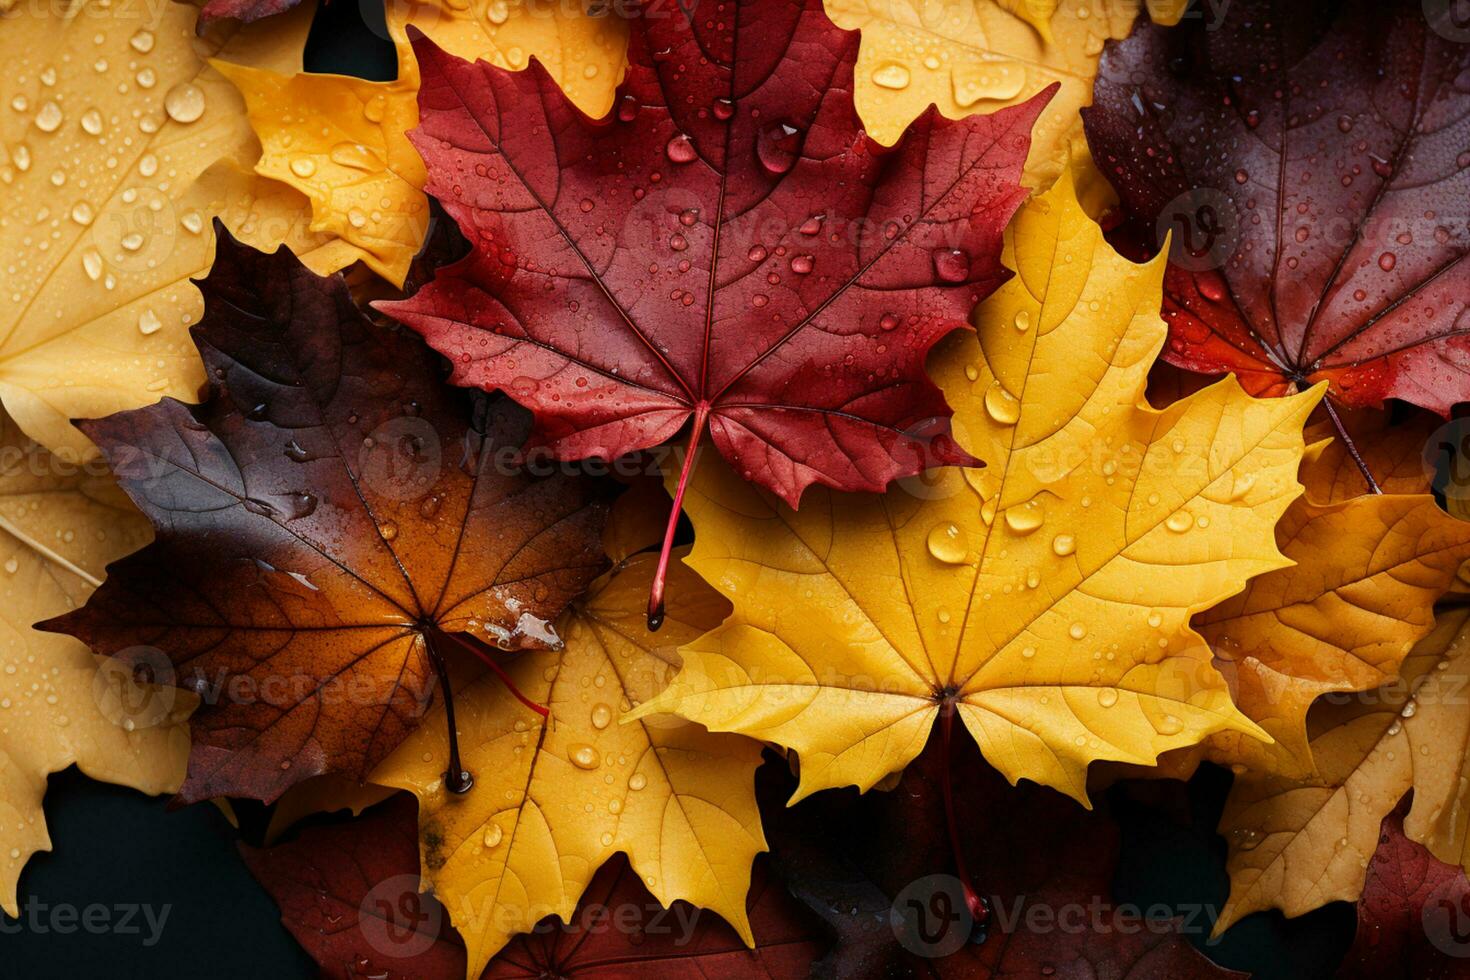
727,247
1414,914
1313,169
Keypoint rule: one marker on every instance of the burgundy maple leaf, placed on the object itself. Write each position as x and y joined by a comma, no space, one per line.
1311,161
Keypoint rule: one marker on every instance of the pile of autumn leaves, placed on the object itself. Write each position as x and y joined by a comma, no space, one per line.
716,273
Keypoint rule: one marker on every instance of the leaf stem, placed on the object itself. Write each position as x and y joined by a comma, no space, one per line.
477,647
656,591
457,779
1351,446
974,901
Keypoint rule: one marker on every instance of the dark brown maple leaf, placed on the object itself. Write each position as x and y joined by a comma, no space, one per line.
349,894
327,522
727,247
879,868
1312,162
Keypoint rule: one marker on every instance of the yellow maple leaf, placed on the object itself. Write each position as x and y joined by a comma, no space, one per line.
118,146
342,141
1296,845
61,522
1047,596
969,56
1367,575
552,801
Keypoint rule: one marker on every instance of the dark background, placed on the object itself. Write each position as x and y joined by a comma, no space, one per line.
114,846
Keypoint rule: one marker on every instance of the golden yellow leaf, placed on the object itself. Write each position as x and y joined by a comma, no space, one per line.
342,141
552,802
112,123
61,521
1047,596
1367,575
1296,845
969,56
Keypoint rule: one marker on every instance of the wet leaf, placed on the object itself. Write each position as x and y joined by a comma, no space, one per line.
326,520
1048,596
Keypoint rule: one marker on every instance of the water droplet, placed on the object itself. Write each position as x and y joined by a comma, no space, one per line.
92,122
1022,321
680,150
493,835
777,145
142,41
1064,544
92,264
148,165
951,265
193,222
801,264
1179,521
389,530
1168,725
184,103
1001,405
303,166
891,75
132,242
82,213
1025,518
583,756
601,716
998,80
48,119
948,543
148,323
1077,631
637,781
1107,697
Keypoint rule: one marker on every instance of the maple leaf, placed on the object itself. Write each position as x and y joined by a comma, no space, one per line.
1366,573
1298,844
559,796
353,870
877,868
967,56
61,521
1319,239
328,521
120,145
1408,916
343,141
1046,598
730,248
